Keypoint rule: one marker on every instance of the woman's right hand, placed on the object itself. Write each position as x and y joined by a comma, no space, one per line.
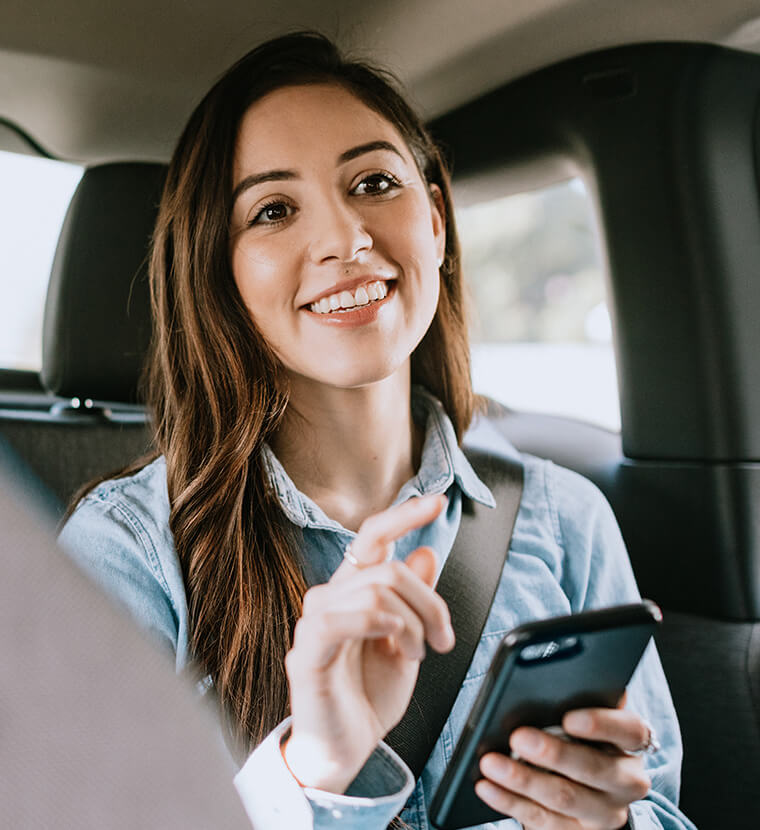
358,646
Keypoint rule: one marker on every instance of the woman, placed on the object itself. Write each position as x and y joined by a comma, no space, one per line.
310,387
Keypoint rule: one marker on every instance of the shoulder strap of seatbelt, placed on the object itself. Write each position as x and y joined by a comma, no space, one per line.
468,583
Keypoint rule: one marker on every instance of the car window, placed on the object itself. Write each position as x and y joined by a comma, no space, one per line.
34,195
542,338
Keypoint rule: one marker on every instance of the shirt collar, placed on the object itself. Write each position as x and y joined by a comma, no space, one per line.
443,463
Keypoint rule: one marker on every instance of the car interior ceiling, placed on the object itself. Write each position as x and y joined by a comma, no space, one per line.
106,82
665,136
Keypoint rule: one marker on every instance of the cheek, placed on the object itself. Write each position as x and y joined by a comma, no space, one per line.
256,278
414,247
406,235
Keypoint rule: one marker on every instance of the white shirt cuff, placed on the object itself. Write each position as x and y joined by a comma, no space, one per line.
274,799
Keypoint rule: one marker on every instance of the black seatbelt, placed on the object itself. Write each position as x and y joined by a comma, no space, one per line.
468,583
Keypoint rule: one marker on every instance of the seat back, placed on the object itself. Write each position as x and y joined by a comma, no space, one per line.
713,667
66,452
97,327
712,664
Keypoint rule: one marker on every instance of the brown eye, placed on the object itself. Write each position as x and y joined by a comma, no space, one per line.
376,184
272,213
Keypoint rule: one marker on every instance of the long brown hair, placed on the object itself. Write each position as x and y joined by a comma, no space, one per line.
217,391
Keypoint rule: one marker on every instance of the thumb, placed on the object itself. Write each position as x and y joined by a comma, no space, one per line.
424,564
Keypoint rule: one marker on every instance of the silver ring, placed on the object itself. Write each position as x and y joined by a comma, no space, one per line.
651,745
349,557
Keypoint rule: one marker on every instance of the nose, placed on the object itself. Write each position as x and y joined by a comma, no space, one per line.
338,232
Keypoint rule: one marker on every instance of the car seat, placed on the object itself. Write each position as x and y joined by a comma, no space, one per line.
87,422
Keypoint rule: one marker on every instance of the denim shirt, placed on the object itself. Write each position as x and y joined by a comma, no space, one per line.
566,555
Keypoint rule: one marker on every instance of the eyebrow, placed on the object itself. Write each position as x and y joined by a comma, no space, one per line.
259,178
369,147
289,175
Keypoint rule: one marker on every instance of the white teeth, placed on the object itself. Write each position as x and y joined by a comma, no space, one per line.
363,295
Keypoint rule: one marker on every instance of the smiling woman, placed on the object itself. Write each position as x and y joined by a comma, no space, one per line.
340,211
311,394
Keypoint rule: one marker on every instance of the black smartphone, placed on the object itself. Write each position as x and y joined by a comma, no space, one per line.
540,671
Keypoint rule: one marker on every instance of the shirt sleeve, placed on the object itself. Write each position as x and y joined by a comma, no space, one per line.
598,574
112,546
274,799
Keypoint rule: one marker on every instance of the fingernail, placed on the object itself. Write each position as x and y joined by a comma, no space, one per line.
527,742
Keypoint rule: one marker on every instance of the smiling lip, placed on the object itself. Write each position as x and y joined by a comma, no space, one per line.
348,285
357,316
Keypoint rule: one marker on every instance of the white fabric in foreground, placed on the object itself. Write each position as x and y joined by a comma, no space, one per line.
97,730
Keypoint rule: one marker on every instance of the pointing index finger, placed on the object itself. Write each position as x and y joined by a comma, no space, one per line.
377,532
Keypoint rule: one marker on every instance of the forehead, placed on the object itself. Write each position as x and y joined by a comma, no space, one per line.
305,123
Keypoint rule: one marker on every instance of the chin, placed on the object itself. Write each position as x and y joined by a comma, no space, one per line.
357,375
365,377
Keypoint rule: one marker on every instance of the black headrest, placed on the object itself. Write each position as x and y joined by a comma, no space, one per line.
97,314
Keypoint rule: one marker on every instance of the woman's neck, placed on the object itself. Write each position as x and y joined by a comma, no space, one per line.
350,450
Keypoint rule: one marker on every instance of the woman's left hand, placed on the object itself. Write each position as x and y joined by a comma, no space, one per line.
578,787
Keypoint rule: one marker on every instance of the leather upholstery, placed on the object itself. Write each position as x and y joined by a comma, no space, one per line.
97,314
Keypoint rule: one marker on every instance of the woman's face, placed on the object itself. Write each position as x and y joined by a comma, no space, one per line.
336,241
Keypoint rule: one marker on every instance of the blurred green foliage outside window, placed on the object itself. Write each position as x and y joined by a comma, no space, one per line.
541,331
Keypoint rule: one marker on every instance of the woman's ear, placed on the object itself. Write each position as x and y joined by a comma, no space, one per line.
439,221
